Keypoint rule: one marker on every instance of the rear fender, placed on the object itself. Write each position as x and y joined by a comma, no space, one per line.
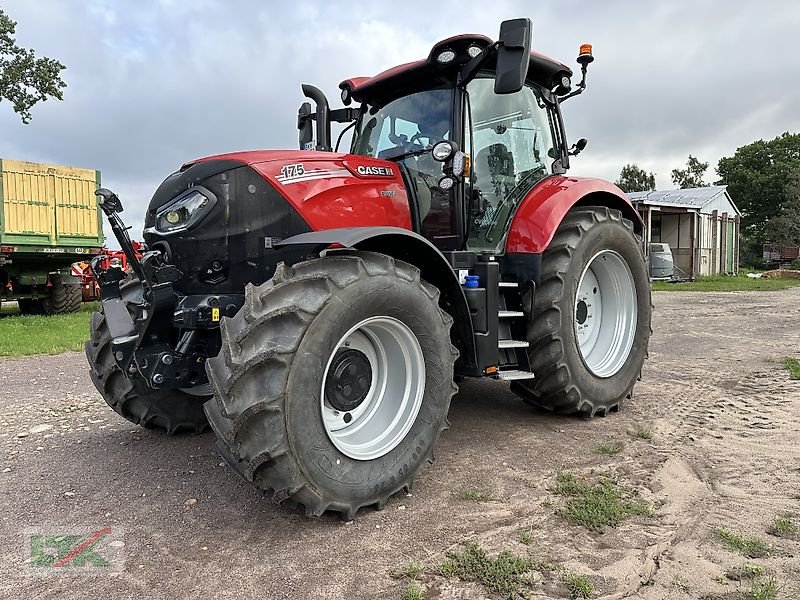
414,249
545,206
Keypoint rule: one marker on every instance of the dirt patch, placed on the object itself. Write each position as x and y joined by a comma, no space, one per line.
710,441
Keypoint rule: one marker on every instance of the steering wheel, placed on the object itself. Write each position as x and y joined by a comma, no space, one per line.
419,135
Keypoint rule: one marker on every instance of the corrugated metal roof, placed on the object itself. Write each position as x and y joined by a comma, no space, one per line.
688,198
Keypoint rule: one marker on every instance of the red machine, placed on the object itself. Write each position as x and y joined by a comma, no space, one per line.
316,307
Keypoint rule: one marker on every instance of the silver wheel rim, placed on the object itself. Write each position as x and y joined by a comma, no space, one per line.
605,313
396,385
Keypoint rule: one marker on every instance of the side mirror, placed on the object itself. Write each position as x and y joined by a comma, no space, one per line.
513,55
578,147
305,127
109,201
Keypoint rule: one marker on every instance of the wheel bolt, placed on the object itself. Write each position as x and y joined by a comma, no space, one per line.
347,417
158,379
167,359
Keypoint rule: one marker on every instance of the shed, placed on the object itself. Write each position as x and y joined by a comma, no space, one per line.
701,226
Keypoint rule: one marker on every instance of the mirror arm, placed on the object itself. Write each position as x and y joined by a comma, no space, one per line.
578,90
473,67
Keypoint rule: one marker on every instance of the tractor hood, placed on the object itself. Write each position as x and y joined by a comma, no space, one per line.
218,218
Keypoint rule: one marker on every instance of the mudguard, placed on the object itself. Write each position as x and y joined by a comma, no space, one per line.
413,248
543,209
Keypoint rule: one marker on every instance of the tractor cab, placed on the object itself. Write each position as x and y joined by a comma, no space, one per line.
473,128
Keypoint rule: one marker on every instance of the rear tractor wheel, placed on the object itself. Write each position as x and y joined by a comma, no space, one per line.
334,382
591,326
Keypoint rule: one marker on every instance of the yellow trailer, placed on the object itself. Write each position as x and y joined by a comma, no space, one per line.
49,219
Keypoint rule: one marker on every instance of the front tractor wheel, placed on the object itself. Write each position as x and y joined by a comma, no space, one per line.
334,382
591,326
170,411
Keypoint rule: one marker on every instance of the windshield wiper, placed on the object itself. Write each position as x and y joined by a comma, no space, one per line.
408,154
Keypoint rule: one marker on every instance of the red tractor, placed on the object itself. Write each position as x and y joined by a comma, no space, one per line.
316,307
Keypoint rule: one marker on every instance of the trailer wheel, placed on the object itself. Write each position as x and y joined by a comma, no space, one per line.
169,411
334,382
63,298
591,326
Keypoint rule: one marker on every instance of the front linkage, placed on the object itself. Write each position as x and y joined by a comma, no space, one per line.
155,332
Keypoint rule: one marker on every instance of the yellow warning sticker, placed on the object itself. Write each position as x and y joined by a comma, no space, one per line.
215,314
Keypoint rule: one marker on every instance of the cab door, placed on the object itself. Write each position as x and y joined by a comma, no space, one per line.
511,139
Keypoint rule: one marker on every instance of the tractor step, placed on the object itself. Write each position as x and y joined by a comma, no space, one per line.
510,314
508,284
506,344
514,375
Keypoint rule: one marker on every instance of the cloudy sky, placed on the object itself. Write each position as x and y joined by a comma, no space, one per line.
154,83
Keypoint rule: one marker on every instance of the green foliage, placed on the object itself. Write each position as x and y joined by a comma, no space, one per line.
751,547
413,591
597,505
643,434
762,177
692,176
633,178
793,366
36,334
507,574
726,283
761,589
745,571
608,448
784,526
476,495
25,79
526,536
412,570
579,586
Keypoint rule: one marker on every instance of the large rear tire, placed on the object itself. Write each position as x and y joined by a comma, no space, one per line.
64,298
169,411
591,326
334,382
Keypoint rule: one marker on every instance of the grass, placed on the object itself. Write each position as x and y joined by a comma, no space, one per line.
745,571
476,495
642,434
793,366
761,589
724,283
526,536
784,526
579,586
412,570
413,591
597,505
751,547
36,334
507,574
609,448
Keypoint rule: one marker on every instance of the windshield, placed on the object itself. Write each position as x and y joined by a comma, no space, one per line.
404,131
406,125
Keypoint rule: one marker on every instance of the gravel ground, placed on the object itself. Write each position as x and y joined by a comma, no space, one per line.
725,452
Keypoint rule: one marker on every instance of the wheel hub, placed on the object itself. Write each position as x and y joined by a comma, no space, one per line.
606,313
348,381
372,388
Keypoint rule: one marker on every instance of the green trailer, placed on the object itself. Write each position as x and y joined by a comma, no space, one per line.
49,220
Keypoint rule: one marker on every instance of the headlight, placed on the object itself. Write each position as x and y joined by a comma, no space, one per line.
185,211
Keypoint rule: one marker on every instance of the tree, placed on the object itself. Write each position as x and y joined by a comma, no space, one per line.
25,79
632,178
784,227
761,177
692,176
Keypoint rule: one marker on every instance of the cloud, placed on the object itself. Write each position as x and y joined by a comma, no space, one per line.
155,83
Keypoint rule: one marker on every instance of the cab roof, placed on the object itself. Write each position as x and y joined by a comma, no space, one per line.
426,73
